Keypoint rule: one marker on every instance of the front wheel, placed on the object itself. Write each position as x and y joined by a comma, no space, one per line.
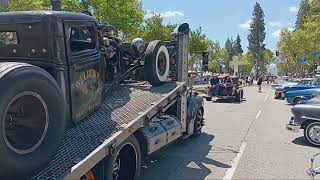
157,63
312,133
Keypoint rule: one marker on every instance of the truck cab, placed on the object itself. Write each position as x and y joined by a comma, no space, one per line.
65,45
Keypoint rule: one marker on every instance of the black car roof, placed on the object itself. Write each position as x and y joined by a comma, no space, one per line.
34,15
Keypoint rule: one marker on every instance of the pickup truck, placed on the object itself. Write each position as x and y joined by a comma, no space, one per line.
74,99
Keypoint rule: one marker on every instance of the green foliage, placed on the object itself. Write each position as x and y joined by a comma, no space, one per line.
155,29
237,47
302,41
257,35
218,56
304,12
198,42
24,5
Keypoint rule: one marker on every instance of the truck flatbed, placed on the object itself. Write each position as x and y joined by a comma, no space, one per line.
125,109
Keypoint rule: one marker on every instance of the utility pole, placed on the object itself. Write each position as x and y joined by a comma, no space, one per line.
56,6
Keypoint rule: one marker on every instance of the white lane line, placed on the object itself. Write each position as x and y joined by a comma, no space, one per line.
235,162
266,98
258,114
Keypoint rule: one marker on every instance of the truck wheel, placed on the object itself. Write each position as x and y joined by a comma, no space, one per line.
157,63
32,120
125,164
197,129
312,133
238,96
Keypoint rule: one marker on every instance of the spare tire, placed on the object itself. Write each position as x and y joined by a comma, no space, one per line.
157,63
32,119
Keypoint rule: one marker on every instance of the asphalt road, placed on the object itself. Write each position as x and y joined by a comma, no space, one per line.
240,141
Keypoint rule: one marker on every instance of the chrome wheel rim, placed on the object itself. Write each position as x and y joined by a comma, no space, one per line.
314,134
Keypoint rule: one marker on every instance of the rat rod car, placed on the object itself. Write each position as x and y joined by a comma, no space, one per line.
226,91
54,66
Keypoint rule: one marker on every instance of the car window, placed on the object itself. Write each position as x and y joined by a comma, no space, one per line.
7,38
82,38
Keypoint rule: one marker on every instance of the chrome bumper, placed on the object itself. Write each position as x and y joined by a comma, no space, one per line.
292,126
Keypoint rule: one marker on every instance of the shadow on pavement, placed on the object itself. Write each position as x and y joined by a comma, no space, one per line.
302,142
185,160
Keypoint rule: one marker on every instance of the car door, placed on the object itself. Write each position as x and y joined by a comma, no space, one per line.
86,70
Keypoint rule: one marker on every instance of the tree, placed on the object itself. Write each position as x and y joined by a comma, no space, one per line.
198,42
217,57
237,47
303,13
155,29
126,15
257,36
24,5
228,46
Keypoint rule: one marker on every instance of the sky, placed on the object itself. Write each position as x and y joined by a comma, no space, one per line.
221,19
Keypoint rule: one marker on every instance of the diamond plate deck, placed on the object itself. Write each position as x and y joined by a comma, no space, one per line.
123,104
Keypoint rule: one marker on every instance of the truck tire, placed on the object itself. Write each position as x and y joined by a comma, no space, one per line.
157,63
198,121
32,120
125,162
238,96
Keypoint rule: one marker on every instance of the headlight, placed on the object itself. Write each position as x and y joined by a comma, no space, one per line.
138,45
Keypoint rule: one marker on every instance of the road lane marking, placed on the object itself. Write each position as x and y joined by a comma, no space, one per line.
266,98
230,172
258,114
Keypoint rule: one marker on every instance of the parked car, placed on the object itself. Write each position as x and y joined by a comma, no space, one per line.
295,97
315,84
306,117
232,91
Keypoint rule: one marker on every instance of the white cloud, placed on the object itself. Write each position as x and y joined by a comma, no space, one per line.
276,33
294,9
245,25
167,14
290,29
275,24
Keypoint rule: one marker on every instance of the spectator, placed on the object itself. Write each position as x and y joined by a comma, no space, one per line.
214,82
259,83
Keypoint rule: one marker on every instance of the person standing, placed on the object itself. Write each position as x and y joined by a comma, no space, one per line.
259,83
214,82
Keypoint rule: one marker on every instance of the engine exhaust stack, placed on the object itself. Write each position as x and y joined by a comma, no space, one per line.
56,6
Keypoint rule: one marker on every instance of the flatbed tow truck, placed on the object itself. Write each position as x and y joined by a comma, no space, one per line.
134,120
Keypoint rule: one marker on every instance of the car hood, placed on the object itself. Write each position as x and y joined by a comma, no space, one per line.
302,92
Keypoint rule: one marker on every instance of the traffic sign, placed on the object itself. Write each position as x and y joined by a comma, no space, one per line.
302,60
315,53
